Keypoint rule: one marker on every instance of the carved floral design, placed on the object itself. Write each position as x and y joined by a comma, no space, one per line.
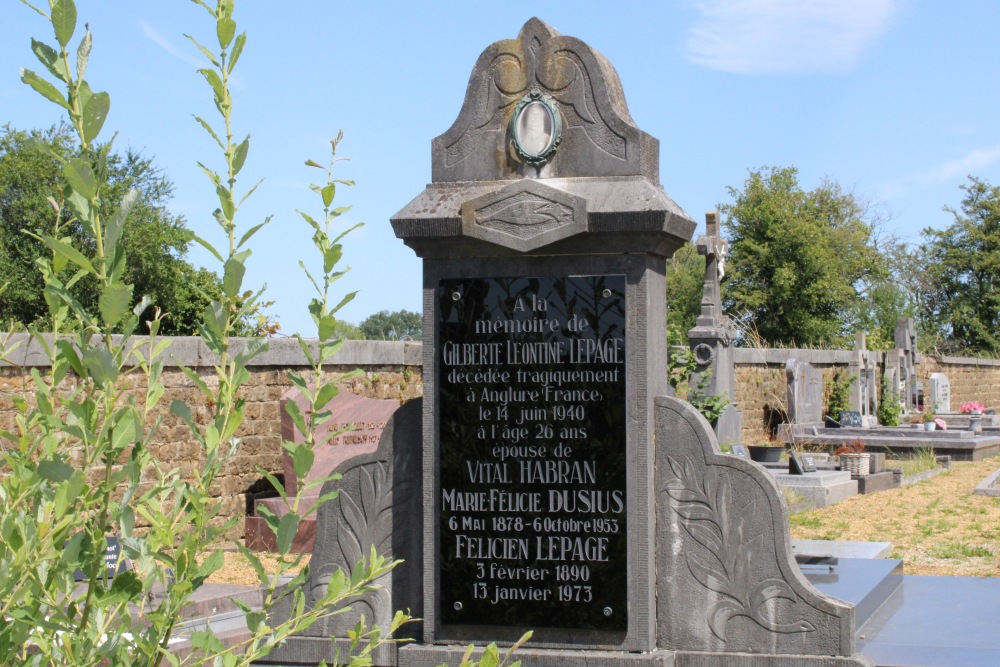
710,516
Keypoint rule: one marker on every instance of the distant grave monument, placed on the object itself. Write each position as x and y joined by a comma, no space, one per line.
712,337
939,393
804,391
864,390
901,364
563,491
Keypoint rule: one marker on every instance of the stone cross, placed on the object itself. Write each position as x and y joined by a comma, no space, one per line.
715,248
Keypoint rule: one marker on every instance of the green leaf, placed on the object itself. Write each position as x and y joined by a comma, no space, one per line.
328,193
232,274
125,587
208,54
207,246
226,200
312,163
254,561
241,40
302,461
100,366
252,231
312,222
215,317
114,302
50,58
113,230
94,115
343,302
225,28
211,564
240,155
81,209
64,20
212,176
292,408
69,252
253,348
196,379
215,82
331,256
83,53
68,352
81,177
55,470
325,394
327,327
208,128
43,87
288,526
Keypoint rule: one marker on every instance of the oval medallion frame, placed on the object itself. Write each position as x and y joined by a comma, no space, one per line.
533,107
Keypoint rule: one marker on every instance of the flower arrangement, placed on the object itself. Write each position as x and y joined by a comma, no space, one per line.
971,408
928,416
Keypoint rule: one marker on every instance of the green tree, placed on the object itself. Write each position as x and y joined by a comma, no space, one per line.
685,283
155,241
960,292
400,325
801,263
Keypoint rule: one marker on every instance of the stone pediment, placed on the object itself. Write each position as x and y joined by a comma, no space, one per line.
524,215
589,131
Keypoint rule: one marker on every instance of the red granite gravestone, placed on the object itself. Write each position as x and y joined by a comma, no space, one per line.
363,418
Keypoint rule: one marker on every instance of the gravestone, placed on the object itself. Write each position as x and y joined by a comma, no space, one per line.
364,418
804,392
902,360
711,339
378,506
864,390
940,393
547,506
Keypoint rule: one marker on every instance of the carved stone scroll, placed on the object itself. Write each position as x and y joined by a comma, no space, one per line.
724,554
378,505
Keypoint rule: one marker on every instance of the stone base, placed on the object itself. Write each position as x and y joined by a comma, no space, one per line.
989,486
429,656
881,481
818,489
900,440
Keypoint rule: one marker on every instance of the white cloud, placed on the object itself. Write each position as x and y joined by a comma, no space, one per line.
169,46
764,36
971,162
949,170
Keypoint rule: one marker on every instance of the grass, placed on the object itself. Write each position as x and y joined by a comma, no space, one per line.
937,526
923,460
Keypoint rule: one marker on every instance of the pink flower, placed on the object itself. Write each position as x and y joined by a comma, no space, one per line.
941,424
972,406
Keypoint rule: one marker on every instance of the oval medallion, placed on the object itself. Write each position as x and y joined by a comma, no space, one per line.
535,128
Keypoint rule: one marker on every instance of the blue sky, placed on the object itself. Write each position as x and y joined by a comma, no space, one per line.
895,99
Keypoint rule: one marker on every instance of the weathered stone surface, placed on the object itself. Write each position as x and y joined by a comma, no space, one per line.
940,393
805,392
599,136
727,581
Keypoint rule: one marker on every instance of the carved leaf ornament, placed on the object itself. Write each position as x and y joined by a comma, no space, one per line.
711,518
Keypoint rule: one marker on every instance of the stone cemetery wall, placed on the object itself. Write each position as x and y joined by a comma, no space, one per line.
971,379
391,370
761,385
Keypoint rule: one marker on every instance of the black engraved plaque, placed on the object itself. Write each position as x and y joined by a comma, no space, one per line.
531,375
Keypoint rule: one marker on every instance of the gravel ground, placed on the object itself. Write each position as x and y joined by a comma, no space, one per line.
936,527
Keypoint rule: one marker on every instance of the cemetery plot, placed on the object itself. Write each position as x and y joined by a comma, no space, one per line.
532,421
